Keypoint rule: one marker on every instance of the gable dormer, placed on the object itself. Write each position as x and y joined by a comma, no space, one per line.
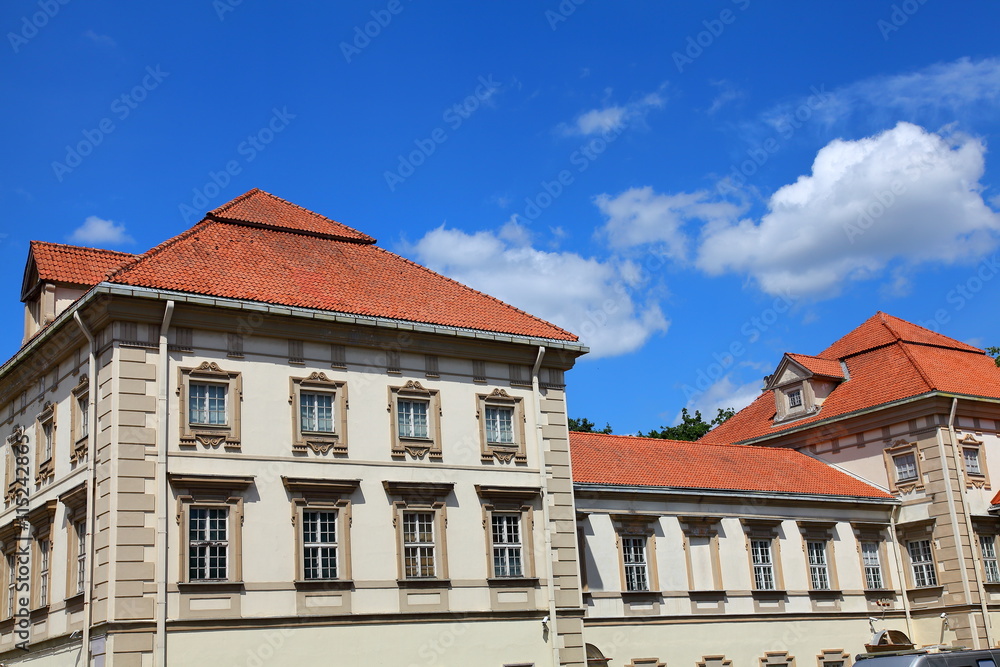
801,383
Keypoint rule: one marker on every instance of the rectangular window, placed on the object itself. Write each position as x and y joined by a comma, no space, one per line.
922,563
906,466
507,545
763,565
634,557
500,425
987,544
80,528
411,418
81,405
971,456
316,412
873,565
207,404
208,543
44,547
46,440
819,570
795,398
11,583
319,544
418,545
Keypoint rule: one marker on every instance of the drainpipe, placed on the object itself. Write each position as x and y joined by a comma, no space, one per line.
968,527
954,518
543,484
88,573
900,572
163,363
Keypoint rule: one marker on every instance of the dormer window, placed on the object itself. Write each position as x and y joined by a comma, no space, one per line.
795,399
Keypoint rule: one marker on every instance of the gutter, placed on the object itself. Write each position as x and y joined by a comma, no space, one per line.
591,487
163,491
88,573
543,484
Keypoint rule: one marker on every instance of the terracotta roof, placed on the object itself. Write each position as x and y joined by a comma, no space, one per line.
57,262
818,365
259,247
257,207
917,361
996,499
617,460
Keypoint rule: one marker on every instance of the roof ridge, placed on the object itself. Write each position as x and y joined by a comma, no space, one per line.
483,294
235,200
78,247
917,366
687,442
157,249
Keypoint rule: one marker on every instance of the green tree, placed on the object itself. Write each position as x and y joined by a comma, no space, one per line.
690,428
586,426
995,353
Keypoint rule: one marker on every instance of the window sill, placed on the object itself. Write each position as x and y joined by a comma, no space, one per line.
884,592
639,594
324,584
74,600
825,593
769,593
220,586
926,589
424,583
708,594
513,581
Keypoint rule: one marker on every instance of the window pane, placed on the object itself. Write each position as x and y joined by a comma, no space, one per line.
500,425
411,418
763,568
319,544
316,412
873,566
418,544
922,563
819,575
208,544
971,456
906,467
634,556
987,544
207,404
506,530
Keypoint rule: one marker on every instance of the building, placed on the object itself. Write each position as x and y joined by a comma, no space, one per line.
916,413
269,441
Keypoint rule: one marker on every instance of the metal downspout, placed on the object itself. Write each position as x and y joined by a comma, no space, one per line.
543,484
968,526
900,572
163,363
88,573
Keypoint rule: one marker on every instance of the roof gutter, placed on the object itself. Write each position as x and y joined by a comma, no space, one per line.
591,487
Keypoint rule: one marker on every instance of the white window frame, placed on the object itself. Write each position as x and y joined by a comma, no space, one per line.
819,565
507,538
496,448
207,547
762,560
208,434
871,560
922,566
635,564
316,551
319,441
417,549
988,549
794,399
406,441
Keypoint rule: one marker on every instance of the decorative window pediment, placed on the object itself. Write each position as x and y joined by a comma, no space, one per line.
501,427
210,401
319,414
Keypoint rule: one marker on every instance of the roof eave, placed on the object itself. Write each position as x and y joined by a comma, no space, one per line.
593,487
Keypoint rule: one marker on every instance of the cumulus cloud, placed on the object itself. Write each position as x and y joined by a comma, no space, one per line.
97,231
905,194
722,394
100,40
599,301
613,118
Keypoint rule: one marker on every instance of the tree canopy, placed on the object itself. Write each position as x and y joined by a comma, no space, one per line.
584,425
690,428
995,353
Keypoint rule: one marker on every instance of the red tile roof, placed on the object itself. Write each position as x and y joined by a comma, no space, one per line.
259,247
617,460
57,262
818,365
916,360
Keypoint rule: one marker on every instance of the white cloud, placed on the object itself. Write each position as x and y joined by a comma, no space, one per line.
588,297
100,40
728,93
96,230
640,216
615,117
904,195
724,394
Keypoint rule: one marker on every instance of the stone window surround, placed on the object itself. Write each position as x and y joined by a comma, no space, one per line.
765,529
821,531
777,659
416,448
14,486
80,441
41,521
9,536
45,467
323,495
211,436
510,500
704,527
915,532
875,533
714,661
982,479
211,491
637,526
503,453
897,448
426,497
646,662
75,501
830,657
319,442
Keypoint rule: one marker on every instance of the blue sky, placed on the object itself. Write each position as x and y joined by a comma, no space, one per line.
695,188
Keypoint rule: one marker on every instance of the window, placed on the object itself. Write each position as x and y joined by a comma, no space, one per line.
902,461
211,519
763,565
906,467
43,554
11,574
41,520
501,429
922,563
45,432
971,456
416,423
634,561
209,405
322,516
872,562
795,399
208,544
507,546
80,408
819,572
316,412
987,545
80,538
419,517
834,658
75,501
319,414
701,552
